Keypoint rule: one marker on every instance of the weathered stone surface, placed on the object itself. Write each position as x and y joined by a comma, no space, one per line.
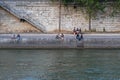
39,41
70,41
101,41
47,14
11,24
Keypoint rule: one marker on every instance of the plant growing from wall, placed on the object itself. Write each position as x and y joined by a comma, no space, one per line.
116,7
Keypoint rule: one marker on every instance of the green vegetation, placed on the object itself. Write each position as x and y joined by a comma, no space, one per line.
116,7
93,6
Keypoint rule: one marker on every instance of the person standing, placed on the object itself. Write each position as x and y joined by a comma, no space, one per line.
74,31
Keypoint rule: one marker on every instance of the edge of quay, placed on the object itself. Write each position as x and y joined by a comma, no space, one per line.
48,41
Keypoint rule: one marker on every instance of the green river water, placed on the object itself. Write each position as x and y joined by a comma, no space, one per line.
60,64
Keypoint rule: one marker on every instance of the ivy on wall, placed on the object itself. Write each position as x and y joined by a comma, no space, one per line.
92,7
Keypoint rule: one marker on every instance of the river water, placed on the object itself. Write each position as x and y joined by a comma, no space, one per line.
59,64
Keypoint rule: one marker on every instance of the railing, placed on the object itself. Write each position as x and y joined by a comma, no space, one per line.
26,16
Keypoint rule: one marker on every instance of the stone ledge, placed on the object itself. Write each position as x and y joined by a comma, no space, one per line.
40,41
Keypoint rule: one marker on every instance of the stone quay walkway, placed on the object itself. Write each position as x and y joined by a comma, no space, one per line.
45,41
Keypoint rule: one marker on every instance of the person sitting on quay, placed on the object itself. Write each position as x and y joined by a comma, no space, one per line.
60,36
18,37
79,37
76,31
57,36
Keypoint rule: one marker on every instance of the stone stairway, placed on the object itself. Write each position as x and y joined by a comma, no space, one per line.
26,16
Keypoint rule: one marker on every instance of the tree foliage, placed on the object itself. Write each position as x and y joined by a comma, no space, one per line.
116,7
93,6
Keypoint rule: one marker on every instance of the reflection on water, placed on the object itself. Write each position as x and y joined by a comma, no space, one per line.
59,64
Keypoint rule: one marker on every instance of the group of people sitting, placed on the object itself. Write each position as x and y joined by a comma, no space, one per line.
78,33
18,37
60,36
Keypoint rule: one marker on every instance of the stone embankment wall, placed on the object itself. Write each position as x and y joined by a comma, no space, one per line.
106,21
101,40
47,13
45,41
39,41
11,24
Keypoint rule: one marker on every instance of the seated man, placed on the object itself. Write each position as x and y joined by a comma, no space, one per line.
79,37
58,36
